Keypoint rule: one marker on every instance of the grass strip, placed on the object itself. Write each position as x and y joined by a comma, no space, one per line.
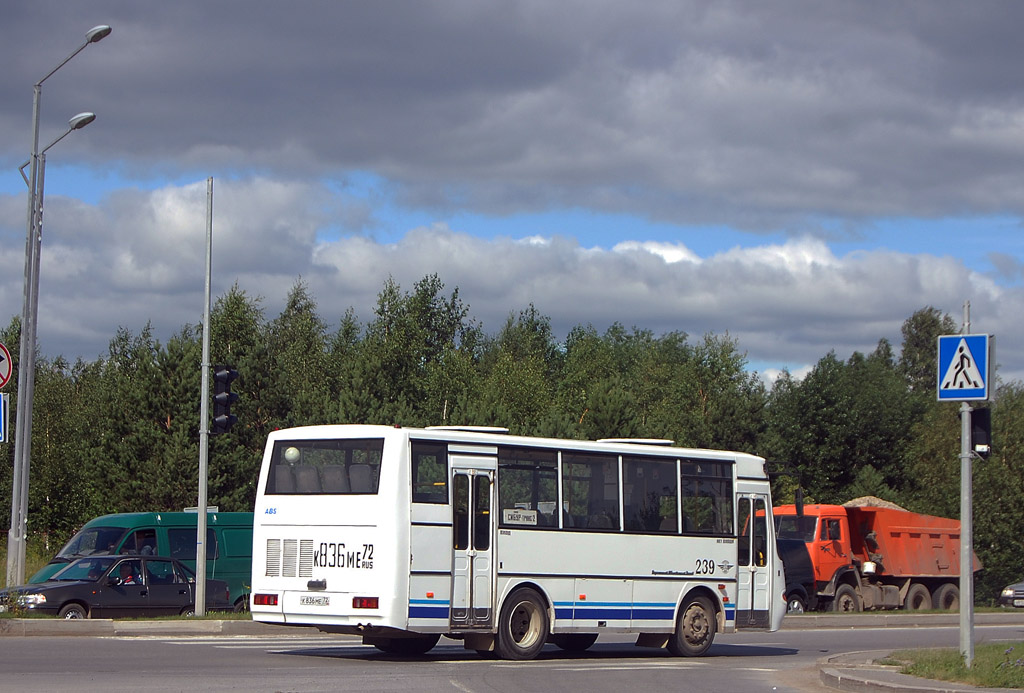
995,665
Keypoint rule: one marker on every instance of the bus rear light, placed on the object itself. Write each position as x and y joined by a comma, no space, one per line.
264,599
365,602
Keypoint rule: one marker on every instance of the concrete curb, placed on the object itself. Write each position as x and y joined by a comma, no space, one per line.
857,671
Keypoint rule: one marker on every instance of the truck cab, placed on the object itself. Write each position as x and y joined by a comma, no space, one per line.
826,531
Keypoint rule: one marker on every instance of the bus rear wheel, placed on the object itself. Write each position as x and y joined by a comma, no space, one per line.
695,629
407,647
522,625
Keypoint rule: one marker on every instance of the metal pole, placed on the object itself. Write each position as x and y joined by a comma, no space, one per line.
966,525
26,367
30,384
204,416
18,533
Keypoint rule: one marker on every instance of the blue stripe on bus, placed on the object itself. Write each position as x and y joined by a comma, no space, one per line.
621,611
428,608
428,612
617,611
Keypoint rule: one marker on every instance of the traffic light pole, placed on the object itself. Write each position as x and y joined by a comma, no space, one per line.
204,417
966,524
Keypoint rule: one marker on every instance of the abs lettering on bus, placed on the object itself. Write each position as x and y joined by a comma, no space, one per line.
335,555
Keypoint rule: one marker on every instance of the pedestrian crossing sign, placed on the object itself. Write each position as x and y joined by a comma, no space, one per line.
963,367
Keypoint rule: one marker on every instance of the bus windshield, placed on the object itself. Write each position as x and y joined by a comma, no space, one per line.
92,540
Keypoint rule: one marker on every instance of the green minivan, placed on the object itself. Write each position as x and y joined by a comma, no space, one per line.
228,544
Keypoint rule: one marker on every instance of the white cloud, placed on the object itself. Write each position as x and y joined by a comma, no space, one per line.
669,252
140,256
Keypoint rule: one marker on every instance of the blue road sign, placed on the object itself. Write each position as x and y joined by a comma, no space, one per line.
963,367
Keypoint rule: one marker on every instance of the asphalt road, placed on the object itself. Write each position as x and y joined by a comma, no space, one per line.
307,661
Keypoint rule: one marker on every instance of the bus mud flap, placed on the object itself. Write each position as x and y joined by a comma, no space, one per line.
481,642
652,640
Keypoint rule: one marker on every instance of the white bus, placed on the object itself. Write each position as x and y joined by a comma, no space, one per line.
402,535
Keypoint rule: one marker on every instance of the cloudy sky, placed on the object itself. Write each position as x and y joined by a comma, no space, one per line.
800,175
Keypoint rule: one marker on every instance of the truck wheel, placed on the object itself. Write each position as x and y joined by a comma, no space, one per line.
522,625
918,598
795,604
695,630
946,597
846,599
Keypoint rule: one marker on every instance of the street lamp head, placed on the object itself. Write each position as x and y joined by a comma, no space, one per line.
81,120
97,33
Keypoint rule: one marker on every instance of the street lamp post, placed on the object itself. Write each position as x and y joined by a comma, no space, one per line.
18,533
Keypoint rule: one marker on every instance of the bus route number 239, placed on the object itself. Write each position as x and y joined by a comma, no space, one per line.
705,566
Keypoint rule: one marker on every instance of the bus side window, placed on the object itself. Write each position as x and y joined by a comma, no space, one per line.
460,513
744,537
429,472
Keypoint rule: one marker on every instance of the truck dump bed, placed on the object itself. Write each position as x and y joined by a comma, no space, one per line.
903,543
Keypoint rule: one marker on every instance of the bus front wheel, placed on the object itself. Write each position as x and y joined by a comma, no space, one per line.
695,629
522,625
574,642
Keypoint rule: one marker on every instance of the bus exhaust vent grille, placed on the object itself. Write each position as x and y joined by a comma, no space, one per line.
273,557
289,558
306,558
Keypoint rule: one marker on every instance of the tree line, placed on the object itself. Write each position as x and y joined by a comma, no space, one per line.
121,433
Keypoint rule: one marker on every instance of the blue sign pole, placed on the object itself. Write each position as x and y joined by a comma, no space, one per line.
964,377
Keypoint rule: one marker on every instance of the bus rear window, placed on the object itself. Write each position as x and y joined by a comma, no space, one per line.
325,467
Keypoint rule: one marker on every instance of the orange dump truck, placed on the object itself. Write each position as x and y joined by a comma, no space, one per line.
869,554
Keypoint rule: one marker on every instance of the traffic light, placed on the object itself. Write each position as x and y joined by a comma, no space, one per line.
223,398
981,432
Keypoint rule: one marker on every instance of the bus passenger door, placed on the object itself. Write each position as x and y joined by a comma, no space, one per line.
472,540
754,577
